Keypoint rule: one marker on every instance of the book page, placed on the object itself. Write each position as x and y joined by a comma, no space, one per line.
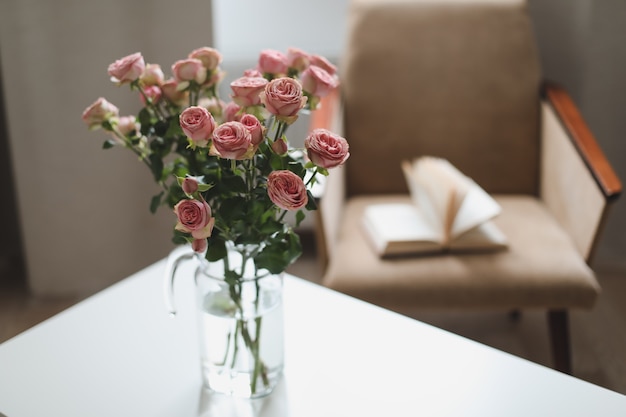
397,228
486,236
448,197
477,208
438,190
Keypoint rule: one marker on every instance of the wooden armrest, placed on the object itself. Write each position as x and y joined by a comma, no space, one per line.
578,184
331,193
323,117
583,139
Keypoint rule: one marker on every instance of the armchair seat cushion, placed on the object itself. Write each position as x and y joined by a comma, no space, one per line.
540,269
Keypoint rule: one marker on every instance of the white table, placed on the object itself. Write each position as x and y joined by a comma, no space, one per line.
119,354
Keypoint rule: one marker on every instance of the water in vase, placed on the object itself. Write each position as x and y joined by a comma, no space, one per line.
242,341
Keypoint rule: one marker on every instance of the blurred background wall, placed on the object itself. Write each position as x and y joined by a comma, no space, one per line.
84,212
80,216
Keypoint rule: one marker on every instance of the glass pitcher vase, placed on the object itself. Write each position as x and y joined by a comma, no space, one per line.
240,318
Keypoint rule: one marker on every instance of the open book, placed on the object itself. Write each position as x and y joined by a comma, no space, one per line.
448,211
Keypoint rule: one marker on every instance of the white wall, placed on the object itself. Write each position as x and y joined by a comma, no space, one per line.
244,27
84,211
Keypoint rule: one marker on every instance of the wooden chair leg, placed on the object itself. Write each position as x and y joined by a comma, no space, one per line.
558,324
515,315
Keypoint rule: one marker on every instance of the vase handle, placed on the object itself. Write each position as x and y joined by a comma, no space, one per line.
178,254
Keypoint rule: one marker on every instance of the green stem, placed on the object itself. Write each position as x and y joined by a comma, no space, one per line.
253,345
312,177
129,145
235,344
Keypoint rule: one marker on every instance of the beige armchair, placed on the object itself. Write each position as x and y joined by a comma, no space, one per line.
460,79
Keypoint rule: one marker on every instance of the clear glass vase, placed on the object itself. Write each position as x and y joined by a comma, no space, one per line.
240,317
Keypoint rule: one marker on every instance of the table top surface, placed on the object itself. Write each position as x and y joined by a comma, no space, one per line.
118,353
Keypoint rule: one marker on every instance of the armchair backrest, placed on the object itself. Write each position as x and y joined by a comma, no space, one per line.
452,78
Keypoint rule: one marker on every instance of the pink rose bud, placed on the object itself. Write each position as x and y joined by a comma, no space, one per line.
326,149
232,140
253,72
210,57
317,82
232,112
272,62
189,70
199,245
297,59
152,75
127,69
153,92
127,124
213,105
283,98
215,78
170,90
323,63
257,131
286,190
99,111
280,147
246,90
189,185
198,124
194,217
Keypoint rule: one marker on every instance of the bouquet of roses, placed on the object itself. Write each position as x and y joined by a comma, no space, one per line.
227,168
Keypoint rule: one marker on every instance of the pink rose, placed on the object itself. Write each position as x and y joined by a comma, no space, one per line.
317,82
127,69
323,63
127,124
189,70
198,124
297,59
170,90
210,57
232,140
194,217
283,98
280,146
199,245
214,105
246,90
189,185
326,149
153,92
99,111
286,190
232,112
152,75
252,72
272,62
257,131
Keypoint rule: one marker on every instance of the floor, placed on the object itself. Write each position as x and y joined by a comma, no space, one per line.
598,336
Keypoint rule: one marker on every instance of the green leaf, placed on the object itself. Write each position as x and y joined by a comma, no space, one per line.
156,202
299,217
108,144
280,252
106,125
180,238
156,165
311,203
232,209
145,119
216,249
